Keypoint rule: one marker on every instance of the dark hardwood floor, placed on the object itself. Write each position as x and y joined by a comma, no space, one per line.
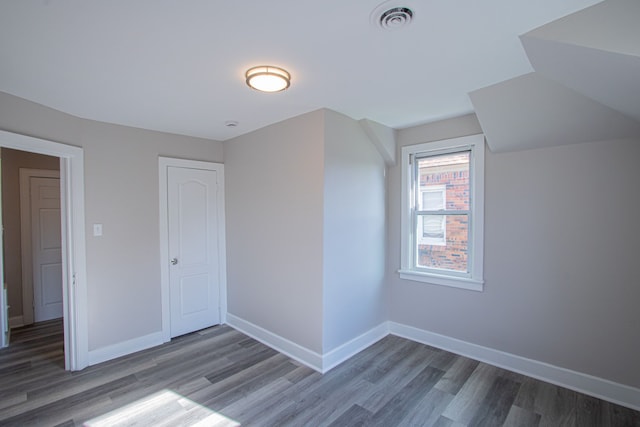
220,377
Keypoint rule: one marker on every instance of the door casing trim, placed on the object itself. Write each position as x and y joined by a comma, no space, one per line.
72,209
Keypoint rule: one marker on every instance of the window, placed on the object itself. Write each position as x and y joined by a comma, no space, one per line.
442,212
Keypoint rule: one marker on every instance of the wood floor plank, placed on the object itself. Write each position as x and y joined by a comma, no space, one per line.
468,400
591,412
457,375
10,369
390,362
403,402
355,416
557,405
447,422
151,410
310,392
331,407
43,414
237,366
219,376
300,373
278,404
526,398
148,384
519,417
9,398
442,360
427,411
198,415
312,398
69,386
245,383
258,402
410,365
496,405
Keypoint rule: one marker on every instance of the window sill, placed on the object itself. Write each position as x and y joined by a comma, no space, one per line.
436,279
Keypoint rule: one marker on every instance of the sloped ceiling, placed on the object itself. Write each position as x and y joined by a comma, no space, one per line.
586,84
532,111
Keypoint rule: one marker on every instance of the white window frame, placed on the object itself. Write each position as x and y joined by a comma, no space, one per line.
473,280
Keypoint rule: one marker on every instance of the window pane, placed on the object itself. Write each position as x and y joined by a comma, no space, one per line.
433,198
444,181
433,226
442,248
431,230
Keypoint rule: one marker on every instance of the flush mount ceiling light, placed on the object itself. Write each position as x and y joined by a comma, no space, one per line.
267,78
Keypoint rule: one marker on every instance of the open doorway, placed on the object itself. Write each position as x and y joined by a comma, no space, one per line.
32,241
32,244
73,265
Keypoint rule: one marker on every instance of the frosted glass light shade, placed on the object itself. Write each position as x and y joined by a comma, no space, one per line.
266,78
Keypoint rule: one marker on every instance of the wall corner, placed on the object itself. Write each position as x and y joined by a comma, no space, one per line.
383,138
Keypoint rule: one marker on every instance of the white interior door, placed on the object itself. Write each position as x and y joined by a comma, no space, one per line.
46,248
193,249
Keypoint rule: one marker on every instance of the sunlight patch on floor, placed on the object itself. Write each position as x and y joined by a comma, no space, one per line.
163,408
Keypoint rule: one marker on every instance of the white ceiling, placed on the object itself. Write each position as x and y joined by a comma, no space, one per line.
178,66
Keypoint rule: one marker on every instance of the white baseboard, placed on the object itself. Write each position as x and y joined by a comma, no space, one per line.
283,345
123,348
16,321
598,387
321,363
339,354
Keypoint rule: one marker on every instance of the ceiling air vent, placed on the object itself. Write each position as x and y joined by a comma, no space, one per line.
391,18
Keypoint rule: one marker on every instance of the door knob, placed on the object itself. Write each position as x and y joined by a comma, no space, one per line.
174,261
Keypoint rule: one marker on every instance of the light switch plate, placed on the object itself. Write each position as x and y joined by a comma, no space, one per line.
97,230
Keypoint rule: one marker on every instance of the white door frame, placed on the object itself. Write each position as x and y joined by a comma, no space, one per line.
25,237
164,164
4,310
74,295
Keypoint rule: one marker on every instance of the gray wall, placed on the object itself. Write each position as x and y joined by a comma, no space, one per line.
561,251
12,162
121,192
354,232
306,230
274,207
